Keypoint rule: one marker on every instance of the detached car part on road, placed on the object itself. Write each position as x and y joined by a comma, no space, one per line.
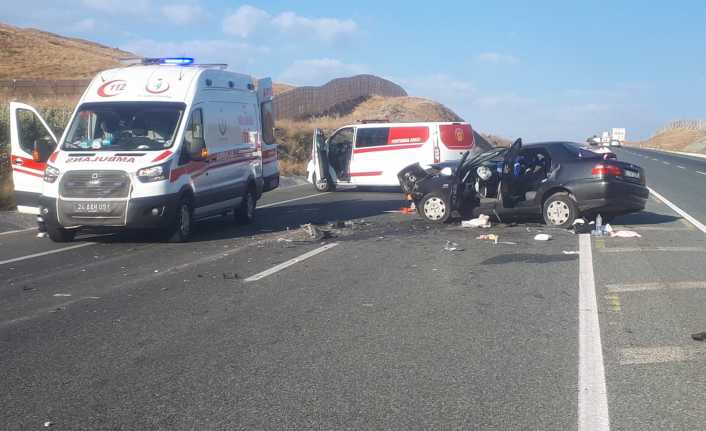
561,181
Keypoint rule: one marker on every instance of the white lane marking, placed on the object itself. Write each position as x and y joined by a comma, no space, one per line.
666,162
641,287
680,167
45,253
17,231
644,249
679,211
293,200
290,262
62,294
660,354
593,396
656,160
702,173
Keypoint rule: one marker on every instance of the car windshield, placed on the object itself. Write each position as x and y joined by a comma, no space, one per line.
580,152
484,157
124,126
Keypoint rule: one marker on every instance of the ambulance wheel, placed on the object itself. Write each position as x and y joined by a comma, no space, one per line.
559,210
183,222
245,212
59,234
435,208
324,185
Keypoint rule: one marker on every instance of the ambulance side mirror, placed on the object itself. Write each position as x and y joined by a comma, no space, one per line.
197,150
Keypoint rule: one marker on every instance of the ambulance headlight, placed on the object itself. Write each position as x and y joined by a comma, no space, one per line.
484,173
51,174
154,173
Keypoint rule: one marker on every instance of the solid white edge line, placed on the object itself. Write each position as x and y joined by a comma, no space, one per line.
679,211
293,200
45,253
17,231
593,396
290,262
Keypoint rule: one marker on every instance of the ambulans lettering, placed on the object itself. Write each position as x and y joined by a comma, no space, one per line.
119,159
112,88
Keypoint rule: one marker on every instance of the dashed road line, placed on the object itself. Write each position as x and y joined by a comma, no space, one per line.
679,211
290,262
702,173
593,396
666,162
8,232
641,287
680,167
45,253
293,200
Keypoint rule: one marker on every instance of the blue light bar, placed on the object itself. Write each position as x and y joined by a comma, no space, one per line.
177,61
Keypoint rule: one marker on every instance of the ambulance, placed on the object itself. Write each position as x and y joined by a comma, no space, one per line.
373,153
158,144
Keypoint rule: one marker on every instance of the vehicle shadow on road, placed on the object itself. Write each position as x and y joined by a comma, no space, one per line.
644,218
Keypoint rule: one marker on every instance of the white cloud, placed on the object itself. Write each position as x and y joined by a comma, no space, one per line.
84,25
319,71
325,29
239,56
497,58
119,7
182,14
245,21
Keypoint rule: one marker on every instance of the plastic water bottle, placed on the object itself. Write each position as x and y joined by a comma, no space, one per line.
599,225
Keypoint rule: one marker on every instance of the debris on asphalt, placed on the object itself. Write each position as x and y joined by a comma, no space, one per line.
624,234
489,237
57,309
316,233
580,226
542,237
506,242
406,210
47,424
701,336
62,294
230,276
27,288
338,224
284,240
482,221
570,252
42,235
452,246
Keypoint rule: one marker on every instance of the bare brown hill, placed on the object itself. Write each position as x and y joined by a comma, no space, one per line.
687,140
34,54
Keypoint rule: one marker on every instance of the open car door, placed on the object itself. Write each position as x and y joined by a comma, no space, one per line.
508,180
31,144
321,164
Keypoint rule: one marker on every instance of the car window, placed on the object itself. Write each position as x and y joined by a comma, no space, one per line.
372,137
580,153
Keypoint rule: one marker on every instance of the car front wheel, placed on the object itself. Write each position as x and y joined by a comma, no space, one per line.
560,210
434,208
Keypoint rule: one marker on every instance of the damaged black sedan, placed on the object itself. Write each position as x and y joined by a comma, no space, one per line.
559,181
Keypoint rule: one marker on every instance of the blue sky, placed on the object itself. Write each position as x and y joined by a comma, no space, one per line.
539,70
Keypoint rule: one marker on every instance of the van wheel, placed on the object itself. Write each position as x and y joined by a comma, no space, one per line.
435,208
59,234
323,185
183,222
245,212
559,210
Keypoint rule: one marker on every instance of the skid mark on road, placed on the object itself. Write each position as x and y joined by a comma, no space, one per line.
661,354
639,287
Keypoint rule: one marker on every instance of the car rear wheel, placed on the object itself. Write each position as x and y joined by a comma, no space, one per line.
323,185
560,210
435,208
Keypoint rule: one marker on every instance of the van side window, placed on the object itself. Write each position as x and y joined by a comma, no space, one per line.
193,135
372,137
31,132
268,123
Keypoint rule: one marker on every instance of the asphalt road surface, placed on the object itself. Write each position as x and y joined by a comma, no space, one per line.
376,327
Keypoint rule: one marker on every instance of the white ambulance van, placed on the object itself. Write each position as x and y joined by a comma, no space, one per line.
372,154
153,145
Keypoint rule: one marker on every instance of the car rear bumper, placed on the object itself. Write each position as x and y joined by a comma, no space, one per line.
611,196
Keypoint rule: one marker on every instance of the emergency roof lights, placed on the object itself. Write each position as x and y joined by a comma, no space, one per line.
174,61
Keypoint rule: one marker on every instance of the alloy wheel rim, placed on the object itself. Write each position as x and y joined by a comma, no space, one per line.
558,212
434,208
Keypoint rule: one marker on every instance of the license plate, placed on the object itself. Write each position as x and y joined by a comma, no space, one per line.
632,174
92,207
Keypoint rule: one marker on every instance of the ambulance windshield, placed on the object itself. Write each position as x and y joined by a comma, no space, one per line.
124,126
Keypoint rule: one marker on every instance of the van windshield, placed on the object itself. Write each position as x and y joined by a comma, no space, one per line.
124,126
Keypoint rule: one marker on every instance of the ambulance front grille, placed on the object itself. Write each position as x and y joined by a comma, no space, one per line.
95,184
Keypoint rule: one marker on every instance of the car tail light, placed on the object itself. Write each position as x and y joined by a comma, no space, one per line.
603,169
437,153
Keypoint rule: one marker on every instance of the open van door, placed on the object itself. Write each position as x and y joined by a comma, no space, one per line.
508,181
32,142
322,174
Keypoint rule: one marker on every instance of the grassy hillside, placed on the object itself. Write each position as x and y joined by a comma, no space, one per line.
35,54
